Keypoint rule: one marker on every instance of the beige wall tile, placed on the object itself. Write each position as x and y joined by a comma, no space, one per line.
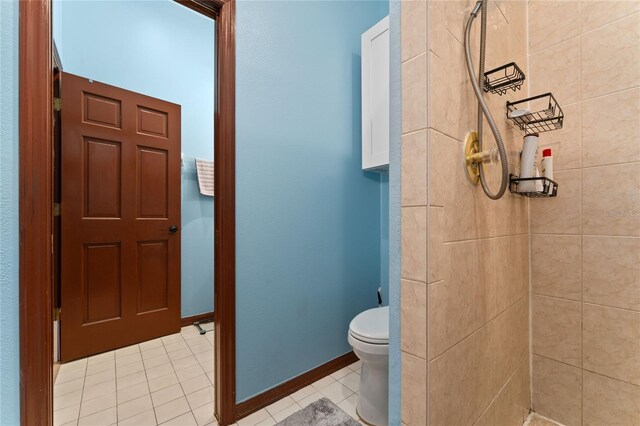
511,281
513,402
451,302
611,271
414,94
509,333
518,328
485,280
468,213
504,356
465,299
598,13
556,330
610,61
500,349
562,214
413,320
443,154
611,200
414,169
557,70
486,348
610,402
551,22
451,386
611,125
413,24
414,243
451,99
557,391
442,43
437,250
414,390
524,396
611,339
488,418
449,16
566,143
556,266
497,48
515,13
601,103
511,215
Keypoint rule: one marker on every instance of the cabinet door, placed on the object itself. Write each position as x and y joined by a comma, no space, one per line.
375,96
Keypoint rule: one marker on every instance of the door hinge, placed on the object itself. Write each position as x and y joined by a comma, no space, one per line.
56,314
56,209
57,104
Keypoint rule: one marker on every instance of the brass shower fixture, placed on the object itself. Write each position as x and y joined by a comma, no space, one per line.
474,158
471,157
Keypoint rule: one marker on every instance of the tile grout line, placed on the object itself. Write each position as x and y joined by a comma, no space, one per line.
147,381
583,302
84,381
179,382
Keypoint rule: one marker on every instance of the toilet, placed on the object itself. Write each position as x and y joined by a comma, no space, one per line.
369,337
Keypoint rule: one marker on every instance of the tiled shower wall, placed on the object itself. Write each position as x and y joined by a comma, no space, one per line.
464,297
585,246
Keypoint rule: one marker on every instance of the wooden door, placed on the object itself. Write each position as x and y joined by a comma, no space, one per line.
120,213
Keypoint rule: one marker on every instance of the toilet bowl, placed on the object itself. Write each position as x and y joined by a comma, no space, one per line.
369,337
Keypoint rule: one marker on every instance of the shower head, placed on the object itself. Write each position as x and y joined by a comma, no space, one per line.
476,8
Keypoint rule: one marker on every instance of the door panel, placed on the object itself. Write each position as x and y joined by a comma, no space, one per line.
102,172
153,278
152,182
152,122
120,264
101,110
101,282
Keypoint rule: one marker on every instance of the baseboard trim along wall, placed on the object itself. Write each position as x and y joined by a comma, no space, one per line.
206,317
272,395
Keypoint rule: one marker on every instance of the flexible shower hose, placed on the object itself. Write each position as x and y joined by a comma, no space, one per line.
482,105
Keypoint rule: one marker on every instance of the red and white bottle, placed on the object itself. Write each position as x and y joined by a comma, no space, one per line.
547,166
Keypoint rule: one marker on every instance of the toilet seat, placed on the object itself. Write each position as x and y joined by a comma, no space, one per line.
362,347
371,326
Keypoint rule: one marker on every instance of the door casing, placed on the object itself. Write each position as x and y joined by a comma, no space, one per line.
36,204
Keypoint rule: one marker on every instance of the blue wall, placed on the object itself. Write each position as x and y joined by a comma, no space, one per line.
9,349
395,164
384,236
308,218
164,50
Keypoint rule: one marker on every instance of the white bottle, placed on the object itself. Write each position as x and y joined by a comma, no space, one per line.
539,182
547,167
528,163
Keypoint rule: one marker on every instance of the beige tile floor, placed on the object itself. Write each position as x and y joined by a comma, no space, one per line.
169,381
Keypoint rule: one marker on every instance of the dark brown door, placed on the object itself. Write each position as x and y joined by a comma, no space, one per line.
120,213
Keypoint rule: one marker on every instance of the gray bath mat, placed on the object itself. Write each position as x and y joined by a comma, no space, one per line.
321,413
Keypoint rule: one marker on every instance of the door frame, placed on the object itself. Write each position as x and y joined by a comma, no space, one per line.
36,204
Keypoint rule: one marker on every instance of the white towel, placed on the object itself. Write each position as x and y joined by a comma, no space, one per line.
205,176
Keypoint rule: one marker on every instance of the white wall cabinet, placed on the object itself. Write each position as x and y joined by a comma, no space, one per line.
375,97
